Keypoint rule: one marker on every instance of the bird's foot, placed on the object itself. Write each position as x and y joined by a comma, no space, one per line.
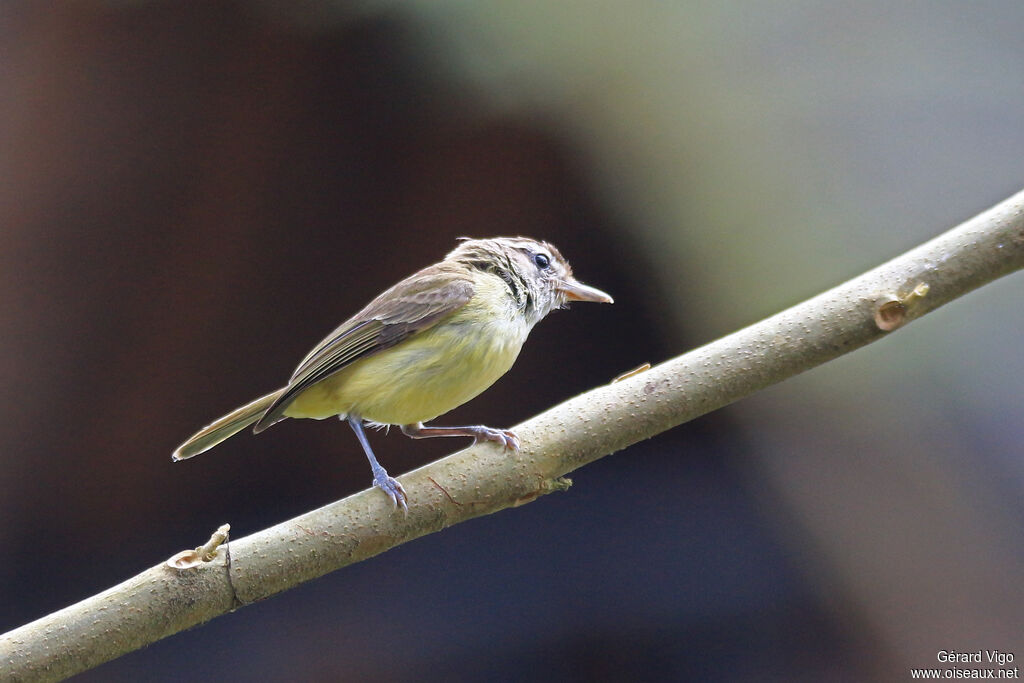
506,437
394,489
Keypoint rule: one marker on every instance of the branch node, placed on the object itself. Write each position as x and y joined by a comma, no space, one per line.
188,559
559,484
893,311
546,486
630,373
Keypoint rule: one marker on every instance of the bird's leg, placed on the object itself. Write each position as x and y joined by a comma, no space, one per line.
381,480
505,437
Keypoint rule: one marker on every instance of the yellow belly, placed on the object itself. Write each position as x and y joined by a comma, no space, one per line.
421,378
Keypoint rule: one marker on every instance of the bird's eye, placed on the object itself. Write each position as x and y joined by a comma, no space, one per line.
541,260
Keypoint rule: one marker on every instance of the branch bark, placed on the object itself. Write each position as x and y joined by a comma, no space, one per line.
483,479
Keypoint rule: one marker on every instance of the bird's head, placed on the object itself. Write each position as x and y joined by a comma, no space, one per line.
538,277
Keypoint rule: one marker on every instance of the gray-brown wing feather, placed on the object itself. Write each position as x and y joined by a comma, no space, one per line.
412,305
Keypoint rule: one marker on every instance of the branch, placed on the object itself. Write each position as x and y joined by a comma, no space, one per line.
483,479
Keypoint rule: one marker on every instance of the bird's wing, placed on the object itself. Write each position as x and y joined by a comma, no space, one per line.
413,305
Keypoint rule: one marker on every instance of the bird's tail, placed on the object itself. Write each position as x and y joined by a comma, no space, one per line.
226,427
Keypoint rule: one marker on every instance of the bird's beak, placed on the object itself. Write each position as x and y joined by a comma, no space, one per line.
576,291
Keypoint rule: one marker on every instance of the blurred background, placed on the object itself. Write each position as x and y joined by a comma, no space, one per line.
194,193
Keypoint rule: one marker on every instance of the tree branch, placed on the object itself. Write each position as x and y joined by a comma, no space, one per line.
483,479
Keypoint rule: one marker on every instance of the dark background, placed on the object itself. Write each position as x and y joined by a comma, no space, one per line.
194,193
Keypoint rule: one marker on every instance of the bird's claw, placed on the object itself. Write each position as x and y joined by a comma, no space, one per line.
395,491
506,437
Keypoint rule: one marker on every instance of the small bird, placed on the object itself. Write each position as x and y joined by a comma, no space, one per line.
426,345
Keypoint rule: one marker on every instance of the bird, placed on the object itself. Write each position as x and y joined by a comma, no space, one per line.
428,344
